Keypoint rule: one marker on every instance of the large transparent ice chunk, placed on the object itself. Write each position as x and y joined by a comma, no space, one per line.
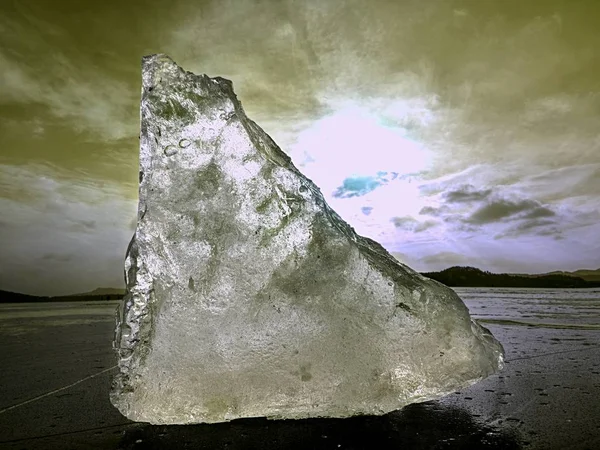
248,296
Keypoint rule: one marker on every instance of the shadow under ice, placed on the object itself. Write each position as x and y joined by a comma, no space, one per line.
428,425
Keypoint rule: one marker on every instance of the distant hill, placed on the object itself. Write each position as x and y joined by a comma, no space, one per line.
101,291
16,297
465,276
586,274
457,276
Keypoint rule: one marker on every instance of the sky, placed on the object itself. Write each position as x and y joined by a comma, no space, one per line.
452,132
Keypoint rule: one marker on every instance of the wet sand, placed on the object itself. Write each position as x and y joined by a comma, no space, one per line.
57,364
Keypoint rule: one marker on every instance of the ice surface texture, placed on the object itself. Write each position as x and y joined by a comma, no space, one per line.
248,296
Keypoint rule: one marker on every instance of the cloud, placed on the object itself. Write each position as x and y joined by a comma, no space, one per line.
563,182
539,211
500,209
35,127
535,223
424,226
535,226
492,116
432,211
466,193
404,222
97,105
472,208
89,101
411,224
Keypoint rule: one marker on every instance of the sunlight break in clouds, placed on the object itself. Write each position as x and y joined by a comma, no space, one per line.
385,123
352,142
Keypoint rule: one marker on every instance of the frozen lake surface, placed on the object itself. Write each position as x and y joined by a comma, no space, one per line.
547,308
57,365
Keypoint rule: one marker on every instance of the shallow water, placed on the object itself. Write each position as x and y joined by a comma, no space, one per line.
547,393
24,318
48,309
545,308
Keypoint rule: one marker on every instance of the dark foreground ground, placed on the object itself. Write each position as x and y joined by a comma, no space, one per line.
57,363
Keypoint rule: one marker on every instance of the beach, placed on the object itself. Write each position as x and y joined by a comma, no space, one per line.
58,362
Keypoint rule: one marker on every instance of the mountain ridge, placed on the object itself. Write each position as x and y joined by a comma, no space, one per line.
100,291
454,276
18,297
467,276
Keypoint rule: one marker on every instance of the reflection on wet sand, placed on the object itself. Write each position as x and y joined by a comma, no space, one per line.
558,326
419,426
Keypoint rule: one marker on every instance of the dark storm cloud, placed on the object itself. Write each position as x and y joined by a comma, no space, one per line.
573,180
500,209
403,222
466,193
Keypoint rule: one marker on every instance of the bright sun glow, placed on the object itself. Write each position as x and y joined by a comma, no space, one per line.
354,143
